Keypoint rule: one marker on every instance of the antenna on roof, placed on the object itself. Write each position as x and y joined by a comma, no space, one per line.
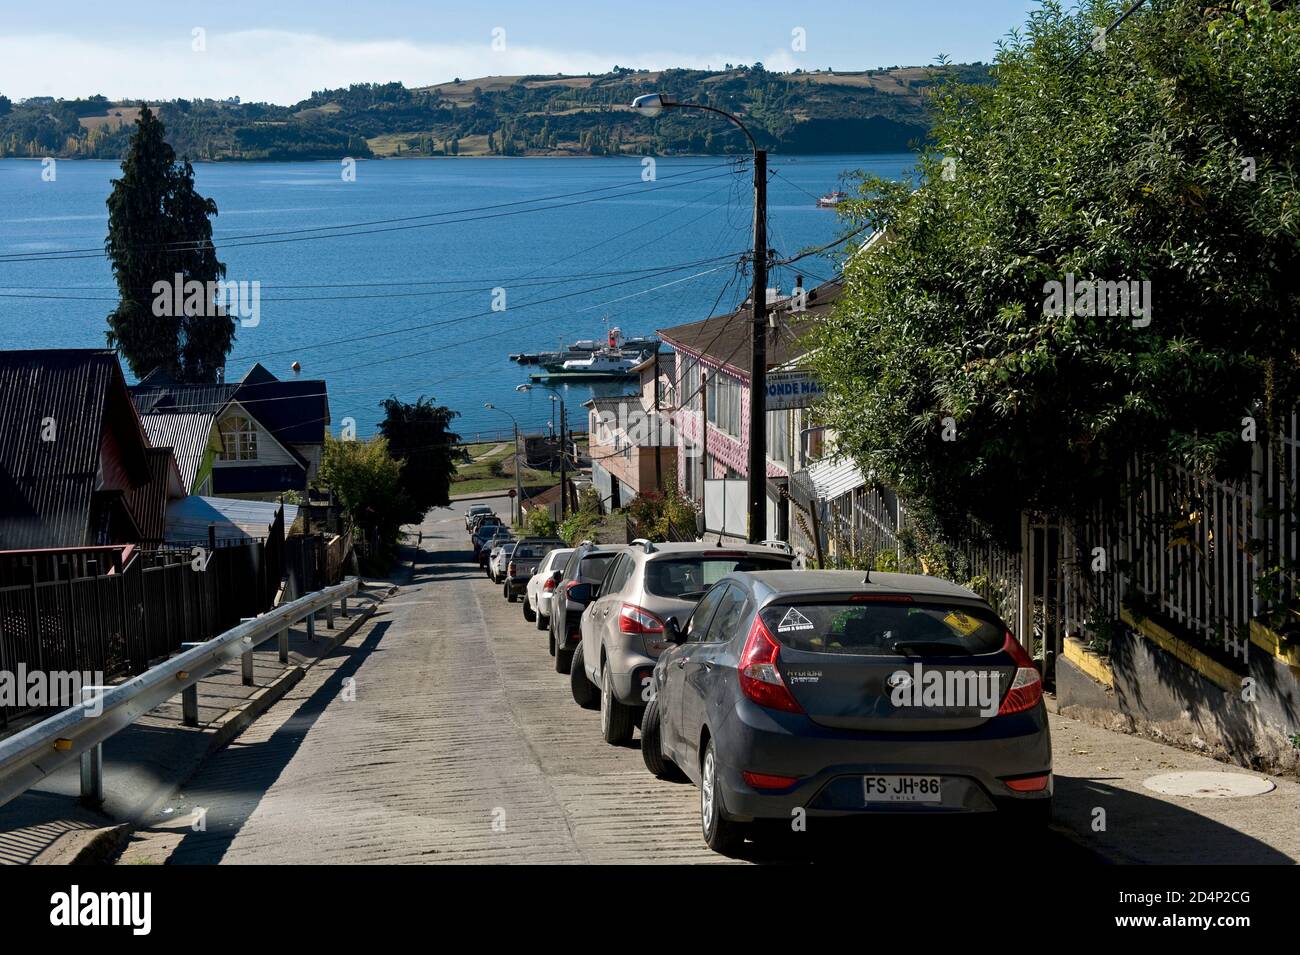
867,578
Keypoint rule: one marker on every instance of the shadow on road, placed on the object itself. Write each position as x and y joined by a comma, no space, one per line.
238,777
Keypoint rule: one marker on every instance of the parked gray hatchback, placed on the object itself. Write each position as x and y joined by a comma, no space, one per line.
822,691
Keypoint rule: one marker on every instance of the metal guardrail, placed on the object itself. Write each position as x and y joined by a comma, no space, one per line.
79,732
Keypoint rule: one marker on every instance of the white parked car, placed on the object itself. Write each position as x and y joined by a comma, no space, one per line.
537,596
501,552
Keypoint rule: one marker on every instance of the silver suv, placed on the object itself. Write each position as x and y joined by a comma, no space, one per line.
623,626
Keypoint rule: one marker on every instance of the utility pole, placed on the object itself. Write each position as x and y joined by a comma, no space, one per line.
564,480
519,490
758,360
659,477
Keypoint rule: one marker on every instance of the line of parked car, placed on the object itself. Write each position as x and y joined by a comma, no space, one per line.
779,691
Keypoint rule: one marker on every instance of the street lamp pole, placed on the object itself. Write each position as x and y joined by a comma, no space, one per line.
517,512
652,104
564,454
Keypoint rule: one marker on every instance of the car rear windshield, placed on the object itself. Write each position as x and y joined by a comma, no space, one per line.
528,549
885,628
687,578
593,567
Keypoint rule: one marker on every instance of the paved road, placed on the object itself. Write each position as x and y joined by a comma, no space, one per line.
441,733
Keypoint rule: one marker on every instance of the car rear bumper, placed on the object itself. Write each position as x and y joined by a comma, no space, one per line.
516,585
829,765
632,672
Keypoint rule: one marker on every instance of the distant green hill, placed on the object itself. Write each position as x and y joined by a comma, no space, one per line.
817,112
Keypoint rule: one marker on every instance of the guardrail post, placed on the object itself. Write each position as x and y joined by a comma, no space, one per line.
246,661
92,761
190,697
343,606
311,625
284,645
329,616
92,775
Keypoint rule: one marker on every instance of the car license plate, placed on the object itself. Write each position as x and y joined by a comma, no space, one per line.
901,789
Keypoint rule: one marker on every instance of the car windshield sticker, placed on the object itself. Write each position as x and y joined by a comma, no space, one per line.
794,620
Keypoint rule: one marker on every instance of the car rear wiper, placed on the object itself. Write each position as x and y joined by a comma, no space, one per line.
936,648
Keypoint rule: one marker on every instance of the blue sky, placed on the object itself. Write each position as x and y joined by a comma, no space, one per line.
279,50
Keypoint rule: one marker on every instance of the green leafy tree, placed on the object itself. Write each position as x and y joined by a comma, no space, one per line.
419,436
1167,154
367,481
159,227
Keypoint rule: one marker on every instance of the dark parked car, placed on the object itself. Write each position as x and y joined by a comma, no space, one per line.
487,528
576,588
528,556
817,690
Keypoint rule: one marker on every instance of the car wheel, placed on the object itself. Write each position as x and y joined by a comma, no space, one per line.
652,748
563,659
543,623
529,613
585,693
720,833
511,596
615,717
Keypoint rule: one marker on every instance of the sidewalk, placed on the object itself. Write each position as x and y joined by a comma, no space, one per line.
1101,769
144,764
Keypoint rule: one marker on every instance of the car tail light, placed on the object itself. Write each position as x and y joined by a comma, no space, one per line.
549,584
769,781
633,619
760,680
1029,784
1027,687
882,598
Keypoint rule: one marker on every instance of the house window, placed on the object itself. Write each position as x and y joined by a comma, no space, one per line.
690,384
724,404
238,439
779,445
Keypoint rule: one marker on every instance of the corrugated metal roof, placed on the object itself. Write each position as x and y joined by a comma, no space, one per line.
235,519
187,434
833,478
148,503
46,486
725,338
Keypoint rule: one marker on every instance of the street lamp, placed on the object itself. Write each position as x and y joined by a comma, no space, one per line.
652,104
564,454
517,514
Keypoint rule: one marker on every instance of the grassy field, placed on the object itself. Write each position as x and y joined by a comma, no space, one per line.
493,469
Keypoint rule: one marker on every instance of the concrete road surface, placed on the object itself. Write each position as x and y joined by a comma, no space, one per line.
442,733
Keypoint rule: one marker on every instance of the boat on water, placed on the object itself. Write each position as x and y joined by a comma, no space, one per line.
832,199
605,365
638,347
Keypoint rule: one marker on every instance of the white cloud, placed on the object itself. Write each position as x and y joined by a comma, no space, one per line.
284,67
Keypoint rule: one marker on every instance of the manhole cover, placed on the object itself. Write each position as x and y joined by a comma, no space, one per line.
1207,785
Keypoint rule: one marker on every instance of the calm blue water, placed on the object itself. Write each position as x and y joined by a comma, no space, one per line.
409,311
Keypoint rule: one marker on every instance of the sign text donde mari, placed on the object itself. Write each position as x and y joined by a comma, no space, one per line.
792,389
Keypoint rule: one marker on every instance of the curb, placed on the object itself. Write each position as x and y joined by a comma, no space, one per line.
86,846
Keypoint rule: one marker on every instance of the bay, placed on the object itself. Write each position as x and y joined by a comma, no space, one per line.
404,305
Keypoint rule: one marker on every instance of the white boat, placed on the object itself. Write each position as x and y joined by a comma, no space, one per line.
832,199
603,362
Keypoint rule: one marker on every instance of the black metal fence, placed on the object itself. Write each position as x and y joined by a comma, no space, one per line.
113,614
